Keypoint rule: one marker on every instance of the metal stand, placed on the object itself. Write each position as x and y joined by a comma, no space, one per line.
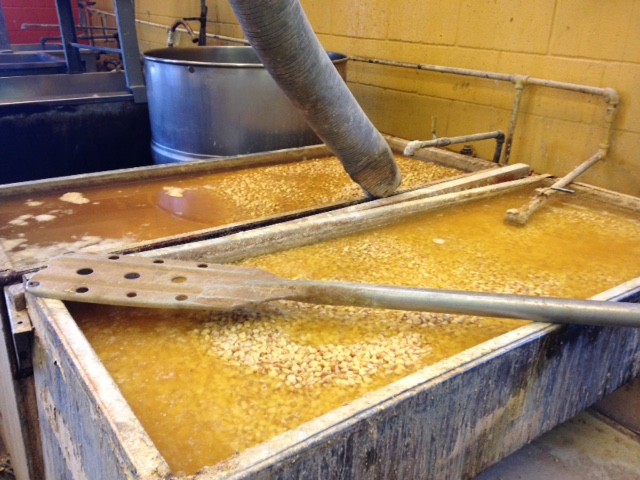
69,37
5,44
125,18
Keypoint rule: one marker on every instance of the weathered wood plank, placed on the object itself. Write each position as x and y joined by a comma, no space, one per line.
316,228
611,198
137,174
462,182
458,184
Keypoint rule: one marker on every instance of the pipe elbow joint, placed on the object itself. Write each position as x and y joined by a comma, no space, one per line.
171,34
611,96
410,149
520,81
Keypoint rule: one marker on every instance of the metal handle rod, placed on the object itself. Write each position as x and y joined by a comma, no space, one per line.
414,145
520,216
541,309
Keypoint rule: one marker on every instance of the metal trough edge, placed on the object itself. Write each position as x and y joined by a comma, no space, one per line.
513,362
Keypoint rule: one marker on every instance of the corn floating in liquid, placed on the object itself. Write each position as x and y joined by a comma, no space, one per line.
206,385
108,217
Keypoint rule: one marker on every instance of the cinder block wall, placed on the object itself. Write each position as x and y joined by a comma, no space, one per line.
587,42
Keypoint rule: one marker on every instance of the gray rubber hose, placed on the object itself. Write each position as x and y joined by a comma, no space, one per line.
284,41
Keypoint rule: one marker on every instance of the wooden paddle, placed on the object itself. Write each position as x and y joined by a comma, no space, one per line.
148,282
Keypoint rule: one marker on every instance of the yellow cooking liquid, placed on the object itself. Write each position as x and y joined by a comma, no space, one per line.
208,385
41,226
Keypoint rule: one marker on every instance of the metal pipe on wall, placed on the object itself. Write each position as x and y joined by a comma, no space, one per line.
520,216
411,147
609,95
520,82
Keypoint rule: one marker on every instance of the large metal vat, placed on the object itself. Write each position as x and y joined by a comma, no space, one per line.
217,101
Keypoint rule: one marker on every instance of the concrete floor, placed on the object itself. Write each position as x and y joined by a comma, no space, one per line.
587,447
600,443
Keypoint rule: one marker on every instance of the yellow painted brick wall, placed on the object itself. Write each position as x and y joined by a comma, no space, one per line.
590,42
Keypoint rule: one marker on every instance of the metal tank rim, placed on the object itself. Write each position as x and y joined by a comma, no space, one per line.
238,56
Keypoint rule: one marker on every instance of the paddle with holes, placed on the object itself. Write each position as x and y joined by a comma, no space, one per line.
148,282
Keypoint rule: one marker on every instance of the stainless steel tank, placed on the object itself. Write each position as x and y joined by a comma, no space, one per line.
208,102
